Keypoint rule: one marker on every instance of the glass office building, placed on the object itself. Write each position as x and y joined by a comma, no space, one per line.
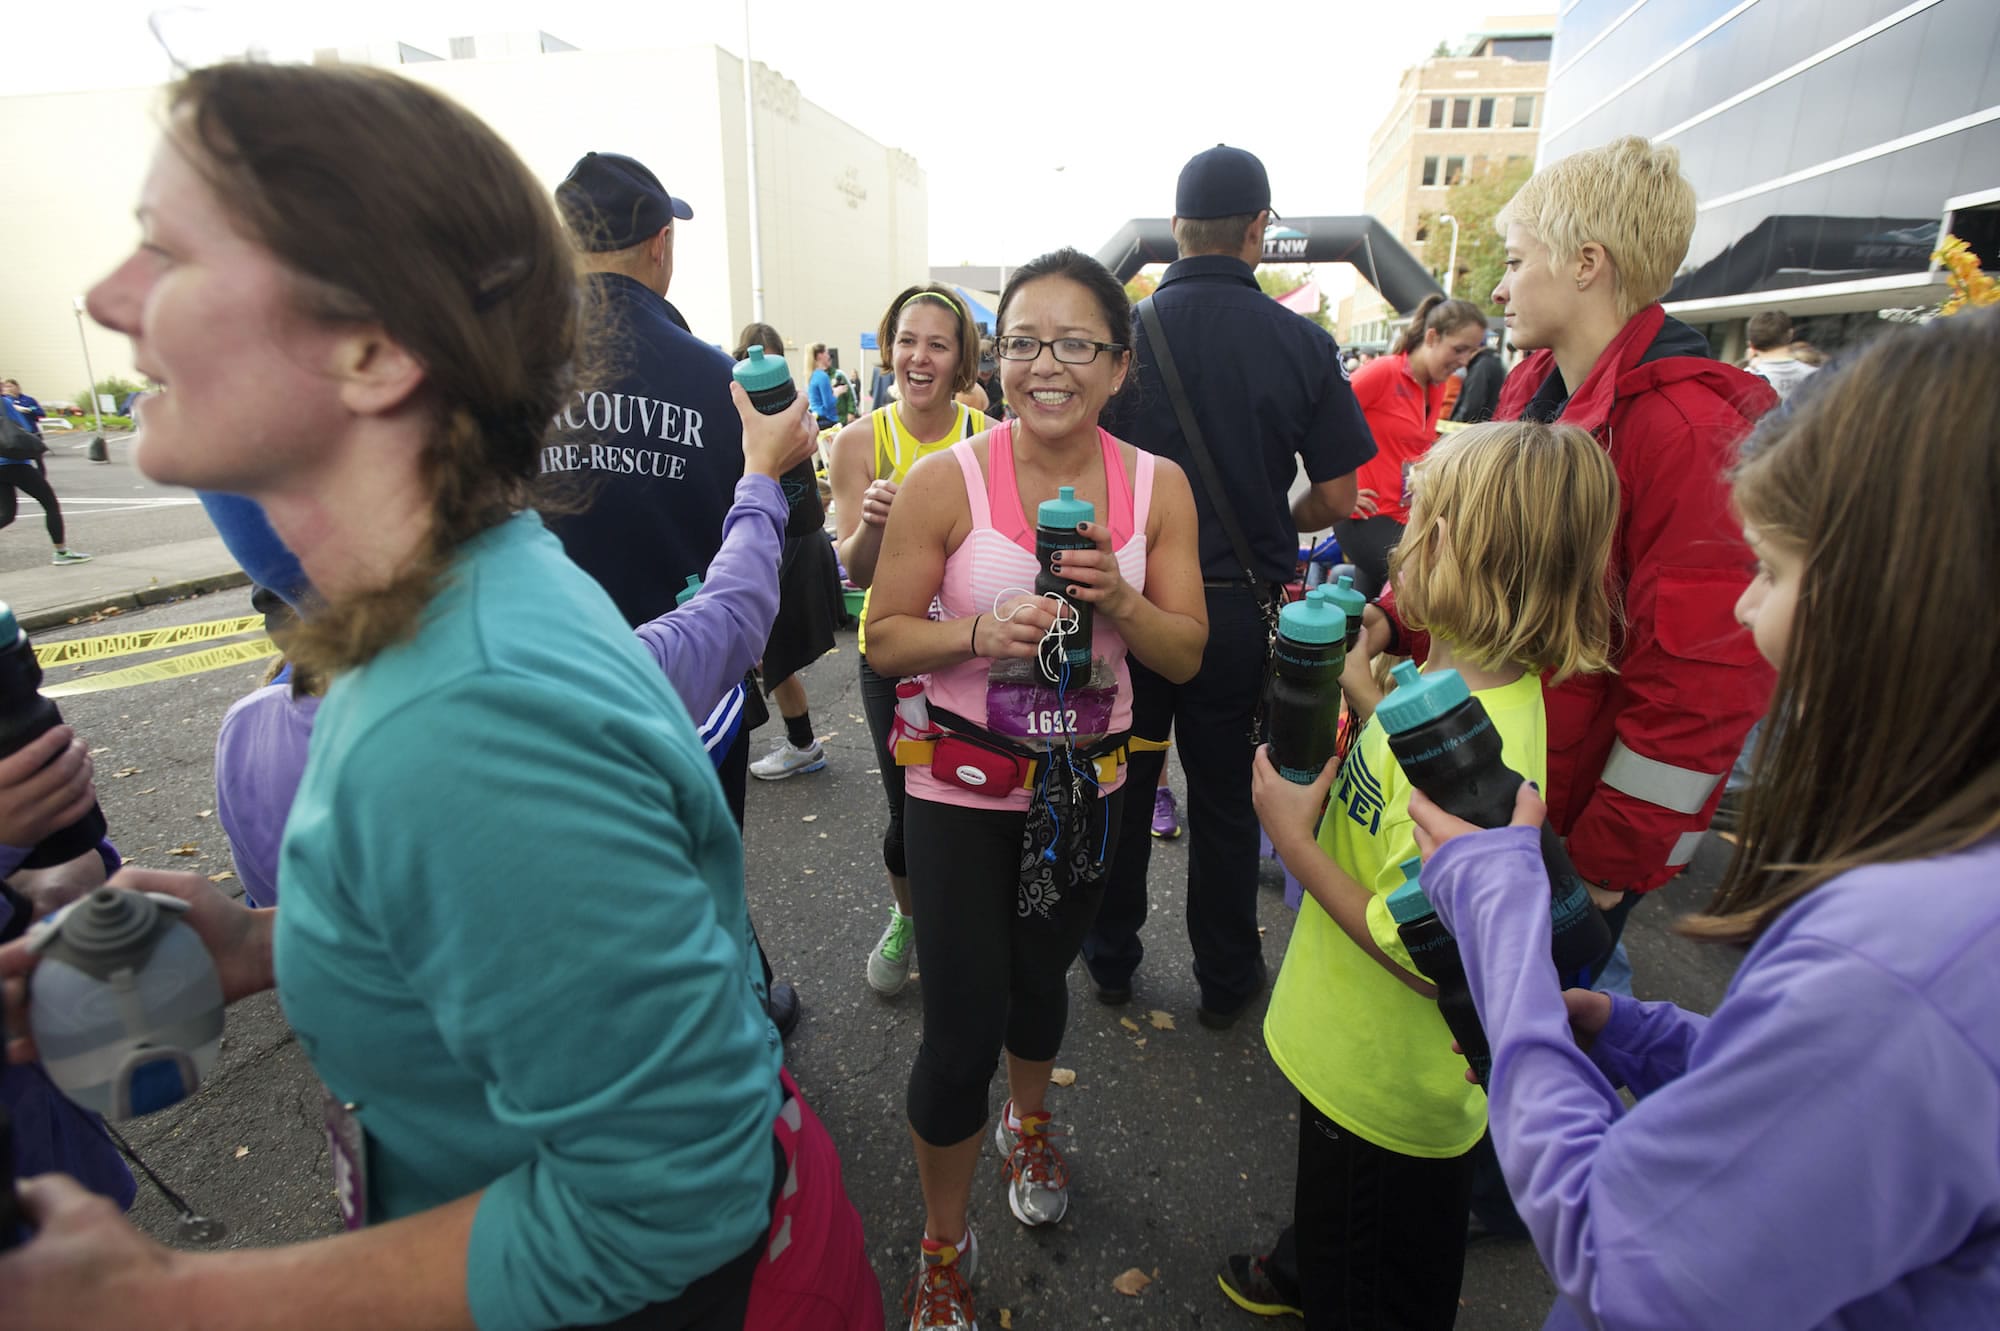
1830,142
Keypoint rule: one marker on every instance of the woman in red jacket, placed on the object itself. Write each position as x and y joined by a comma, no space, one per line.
1402,395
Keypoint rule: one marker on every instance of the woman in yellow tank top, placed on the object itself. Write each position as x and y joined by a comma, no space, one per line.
932,345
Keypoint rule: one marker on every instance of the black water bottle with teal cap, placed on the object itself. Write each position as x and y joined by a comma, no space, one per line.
1351,602
1056,523
1434,952
768,381
1449,749
25,716
1302,701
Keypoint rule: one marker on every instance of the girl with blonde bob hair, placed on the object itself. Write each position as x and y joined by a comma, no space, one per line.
1512,573
1822,1147
1504,563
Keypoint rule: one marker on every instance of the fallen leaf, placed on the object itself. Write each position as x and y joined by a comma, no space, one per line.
1129,1024
1162,1021
128,771
1730,837
831,734
1062,1077
810,818
242,1151
185,848
150,790
1141,1043
1006,1319
812,871
222,877
1133,1283
204,813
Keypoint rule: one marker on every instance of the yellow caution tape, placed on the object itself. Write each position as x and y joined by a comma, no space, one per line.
143,640
194,663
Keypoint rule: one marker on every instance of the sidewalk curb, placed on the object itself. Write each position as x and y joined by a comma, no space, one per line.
55,617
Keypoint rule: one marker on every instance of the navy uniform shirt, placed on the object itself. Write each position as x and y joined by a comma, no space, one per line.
651,458
1265,384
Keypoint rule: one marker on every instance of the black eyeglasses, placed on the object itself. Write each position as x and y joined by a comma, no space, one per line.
1068,350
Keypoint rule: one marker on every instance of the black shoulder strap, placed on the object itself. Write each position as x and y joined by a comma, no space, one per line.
1163,355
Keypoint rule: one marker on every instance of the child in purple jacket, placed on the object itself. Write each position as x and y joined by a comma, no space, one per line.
1823,1151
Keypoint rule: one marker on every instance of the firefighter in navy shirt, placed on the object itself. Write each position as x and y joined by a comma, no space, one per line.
654,451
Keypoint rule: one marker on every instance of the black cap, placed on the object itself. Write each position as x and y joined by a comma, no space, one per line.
613,202
1222,182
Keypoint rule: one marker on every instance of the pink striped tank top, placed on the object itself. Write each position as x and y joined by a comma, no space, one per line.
996,562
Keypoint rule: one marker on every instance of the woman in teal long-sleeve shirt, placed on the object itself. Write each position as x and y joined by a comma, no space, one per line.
513,938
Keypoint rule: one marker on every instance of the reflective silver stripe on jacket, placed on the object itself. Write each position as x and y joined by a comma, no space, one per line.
1656,782
1683,850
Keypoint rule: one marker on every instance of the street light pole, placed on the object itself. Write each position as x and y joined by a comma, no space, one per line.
1451,264
98,453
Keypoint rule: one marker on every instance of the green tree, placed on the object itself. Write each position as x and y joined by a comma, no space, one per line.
1475,201
1140,287
1279,281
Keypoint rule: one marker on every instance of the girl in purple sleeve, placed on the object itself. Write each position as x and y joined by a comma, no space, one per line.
1823,1151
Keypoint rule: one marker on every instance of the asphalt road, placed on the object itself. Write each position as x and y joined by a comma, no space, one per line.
108,507
1180,1138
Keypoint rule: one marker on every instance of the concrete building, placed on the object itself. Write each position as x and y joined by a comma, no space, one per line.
1829,141
1476,109
844,220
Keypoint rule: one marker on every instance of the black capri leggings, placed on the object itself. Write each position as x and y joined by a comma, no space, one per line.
28,476
878,704
1366,543
991,980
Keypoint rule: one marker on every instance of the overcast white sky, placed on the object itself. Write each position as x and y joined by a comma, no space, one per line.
1039,123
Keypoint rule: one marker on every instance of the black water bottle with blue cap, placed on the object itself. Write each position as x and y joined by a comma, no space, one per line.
1302,701
1351,602
1434,952
25,716
1448,747
768,381
1056,523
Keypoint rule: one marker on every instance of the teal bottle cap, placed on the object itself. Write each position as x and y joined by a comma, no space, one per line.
759,371
686,594
1419,698
1065,510
1341,592
1316,620
1408,902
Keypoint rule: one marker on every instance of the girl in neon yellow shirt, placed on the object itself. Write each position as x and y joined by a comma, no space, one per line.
1503,564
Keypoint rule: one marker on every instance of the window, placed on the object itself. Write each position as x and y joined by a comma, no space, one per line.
1454,170
1461,112
1521,48
1524,112
1486,112
1437,113
1430,171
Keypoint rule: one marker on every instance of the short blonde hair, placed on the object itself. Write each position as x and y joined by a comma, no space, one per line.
1509,538
1630,197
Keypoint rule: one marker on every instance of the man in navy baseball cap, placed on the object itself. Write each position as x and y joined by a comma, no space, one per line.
612,202
1222,182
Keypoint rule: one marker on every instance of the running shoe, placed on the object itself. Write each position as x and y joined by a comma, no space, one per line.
889,963
1037,1174
939,1297
785,760
1166,816
1250,1288
70,557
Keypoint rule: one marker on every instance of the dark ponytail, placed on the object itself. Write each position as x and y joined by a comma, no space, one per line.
1435,312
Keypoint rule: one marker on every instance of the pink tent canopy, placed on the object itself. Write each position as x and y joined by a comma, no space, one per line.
1303,300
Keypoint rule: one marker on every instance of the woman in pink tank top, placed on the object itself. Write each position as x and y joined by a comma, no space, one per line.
1006,864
